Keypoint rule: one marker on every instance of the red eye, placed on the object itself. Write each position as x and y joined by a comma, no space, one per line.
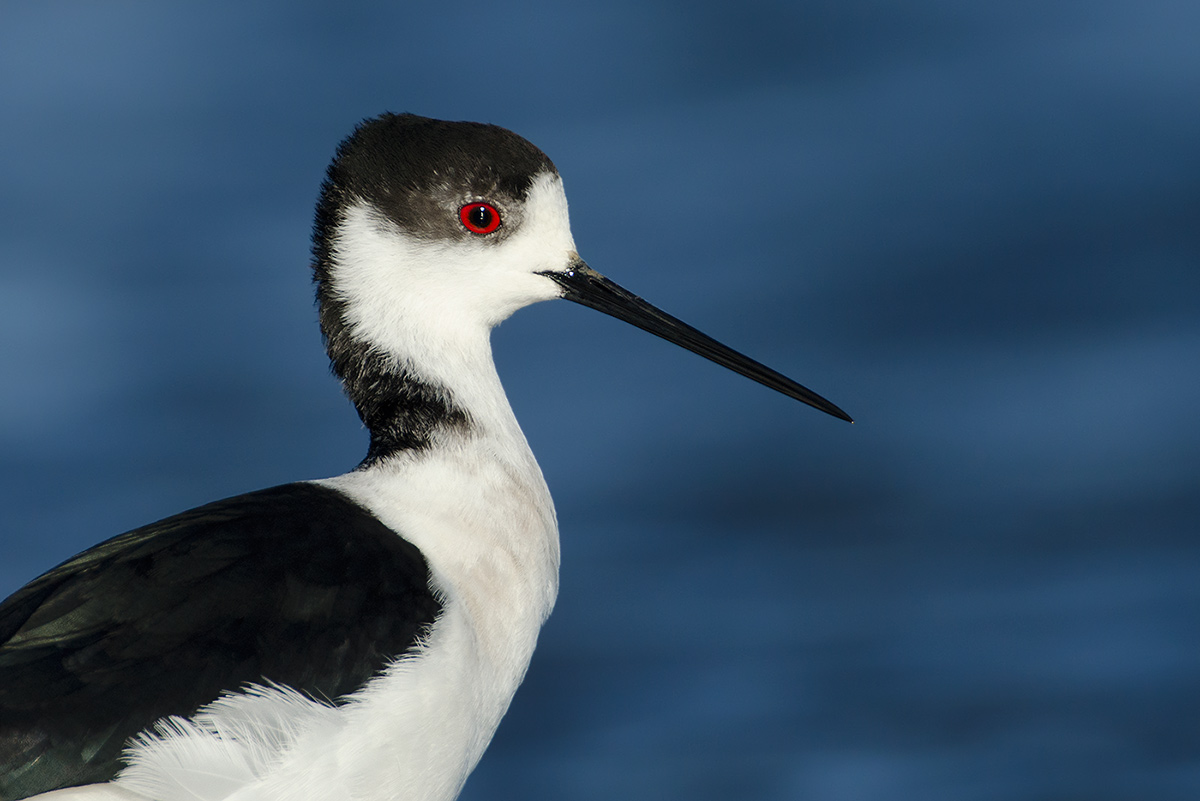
479,218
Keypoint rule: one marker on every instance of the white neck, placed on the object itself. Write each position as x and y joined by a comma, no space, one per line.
478,508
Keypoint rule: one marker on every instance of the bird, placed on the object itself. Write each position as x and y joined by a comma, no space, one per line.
360,636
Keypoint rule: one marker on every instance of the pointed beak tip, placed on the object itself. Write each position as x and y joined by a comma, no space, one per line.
583,285
844,416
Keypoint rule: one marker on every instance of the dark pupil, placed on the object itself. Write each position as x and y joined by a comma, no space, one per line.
481,216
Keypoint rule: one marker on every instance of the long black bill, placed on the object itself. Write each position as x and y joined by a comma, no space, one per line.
584,285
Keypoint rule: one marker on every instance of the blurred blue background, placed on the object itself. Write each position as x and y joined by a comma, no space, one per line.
974,226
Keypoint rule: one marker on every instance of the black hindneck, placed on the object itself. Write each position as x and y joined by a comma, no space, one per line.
402,412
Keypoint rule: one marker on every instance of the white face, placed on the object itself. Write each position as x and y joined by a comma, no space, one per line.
411,296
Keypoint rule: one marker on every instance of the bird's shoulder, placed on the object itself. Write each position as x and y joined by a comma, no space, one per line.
295,585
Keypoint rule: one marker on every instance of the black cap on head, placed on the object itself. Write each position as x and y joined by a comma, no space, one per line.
412,169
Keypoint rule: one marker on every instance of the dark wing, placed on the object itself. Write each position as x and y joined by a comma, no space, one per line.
296,585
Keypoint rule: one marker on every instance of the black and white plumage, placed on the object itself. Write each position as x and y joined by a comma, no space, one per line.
94,648
360,636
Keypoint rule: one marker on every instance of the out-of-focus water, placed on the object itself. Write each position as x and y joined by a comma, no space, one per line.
975,227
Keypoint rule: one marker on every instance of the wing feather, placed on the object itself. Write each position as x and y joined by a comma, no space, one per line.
295,585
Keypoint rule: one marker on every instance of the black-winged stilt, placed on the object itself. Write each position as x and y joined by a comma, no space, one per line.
357,637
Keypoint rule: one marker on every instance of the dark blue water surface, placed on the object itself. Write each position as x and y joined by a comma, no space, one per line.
975,226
